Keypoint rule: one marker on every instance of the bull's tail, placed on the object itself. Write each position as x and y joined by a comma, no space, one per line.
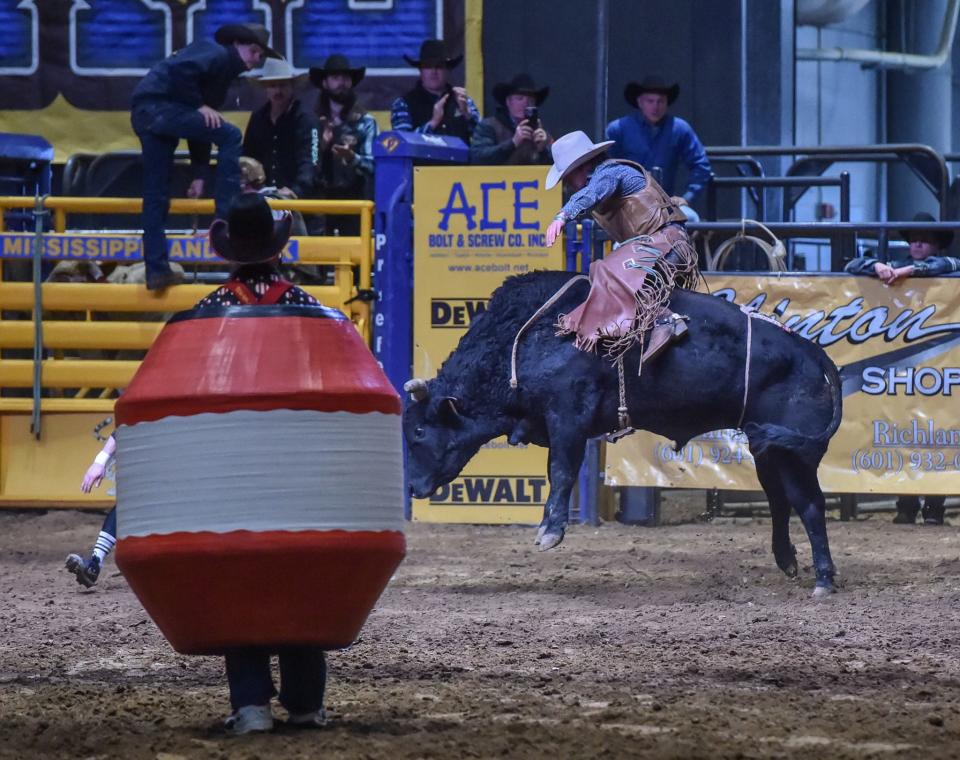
810,448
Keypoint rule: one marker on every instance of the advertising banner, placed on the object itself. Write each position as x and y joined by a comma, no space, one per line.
68,67
186,249
898,351
474,227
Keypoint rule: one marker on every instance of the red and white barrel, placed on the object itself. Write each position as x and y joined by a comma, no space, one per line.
259,479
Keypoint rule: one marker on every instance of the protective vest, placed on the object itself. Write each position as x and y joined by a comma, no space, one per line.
420,102
643,213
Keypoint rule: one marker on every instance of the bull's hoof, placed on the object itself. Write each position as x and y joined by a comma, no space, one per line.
790,570
540,531
822,592
550,540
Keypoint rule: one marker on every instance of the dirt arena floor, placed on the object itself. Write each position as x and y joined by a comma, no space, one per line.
673,642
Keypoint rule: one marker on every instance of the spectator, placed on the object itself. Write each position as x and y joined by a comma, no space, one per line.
433,106
177,99
252,240
658,141
253,179
515,134
345,161
925,259
282,135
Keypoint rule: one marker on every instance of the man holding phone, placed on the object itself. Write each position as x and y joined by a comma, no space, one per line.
514,134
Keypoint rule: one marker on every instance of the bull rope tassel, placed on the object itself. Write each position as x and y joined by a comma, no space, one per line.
746,365
537,314
623,417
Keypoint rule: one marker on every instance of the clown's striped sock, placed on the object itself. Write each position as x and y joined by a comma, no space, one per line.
104,545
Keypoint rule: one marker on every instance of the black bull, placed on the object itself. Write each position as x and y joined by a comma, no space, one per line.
566,396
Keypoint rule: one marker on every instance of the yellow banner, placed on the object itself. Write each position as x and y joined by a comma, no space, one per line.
898,350
473,227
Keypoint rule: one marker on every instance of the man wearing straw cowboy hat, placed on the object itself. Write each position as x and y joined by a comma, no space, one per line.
178,99
658,140
434,106
282,135
630,287
515,133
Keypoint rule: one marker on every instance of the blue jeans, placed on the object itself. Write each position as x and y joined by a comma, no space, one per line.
303,677
160,127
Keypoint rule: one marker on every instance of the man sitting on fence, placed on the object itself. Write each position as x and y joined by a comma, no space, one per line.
178,99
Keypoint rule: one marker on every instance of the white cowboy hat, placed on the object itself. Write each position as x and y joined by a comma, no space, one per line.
571,150
274,70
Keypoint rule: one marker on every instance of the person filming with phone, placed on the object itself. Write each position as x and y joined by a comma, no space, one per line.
514,134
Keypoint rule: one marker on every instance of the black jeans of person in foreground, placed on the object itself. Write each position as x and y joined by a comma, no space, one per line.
160,127
303,677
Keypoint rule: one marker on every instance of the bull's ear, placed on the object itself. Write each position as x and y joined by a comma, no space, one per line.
448,410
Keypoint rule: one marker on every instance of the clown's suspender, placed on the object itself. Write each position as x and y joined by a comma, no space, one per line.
247,297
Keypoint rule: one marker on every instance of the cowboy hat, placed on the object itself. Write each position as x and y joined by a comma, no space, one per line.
942,238
250,235
248,33
569,152
274,70
336,64
521,83
650,84
434,52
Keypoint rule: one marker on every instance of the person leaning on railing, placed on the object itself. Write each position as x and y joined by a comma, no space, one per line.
925,258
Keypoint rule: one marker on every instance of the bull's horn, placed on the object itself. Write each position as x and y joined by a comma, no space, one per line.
417,388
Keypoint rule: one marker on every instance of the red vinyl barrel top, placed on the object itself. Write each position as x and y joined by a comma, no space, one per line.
256,358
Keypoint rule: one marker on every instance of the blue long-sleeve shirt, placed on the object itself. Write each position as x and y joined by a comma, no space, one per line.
664,145
608,178
932,266
401,119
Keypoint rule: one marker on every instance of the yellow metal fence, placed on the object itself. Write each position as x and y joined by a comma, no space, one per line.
95,333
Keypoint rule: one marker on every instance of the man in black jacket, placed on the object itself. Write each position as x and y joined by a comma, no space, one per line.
434,106
515,133
282,135
179,98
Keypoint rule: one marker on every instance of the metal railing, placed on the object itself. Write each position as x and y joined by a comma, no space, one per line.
753,183
69,371
928,164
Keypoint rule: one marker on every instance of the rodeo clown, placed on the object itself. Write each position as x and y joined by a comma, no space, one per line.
252,241
630,287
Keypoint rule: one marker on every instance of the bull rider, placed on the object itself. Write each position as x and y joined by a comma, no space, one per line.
630,287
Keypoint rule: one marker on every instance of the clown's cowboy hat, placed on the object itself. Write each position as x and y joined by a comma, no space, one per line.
250,235
433,54
248,33
650,84
941,238
569,152
274,70
522,84
336,64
